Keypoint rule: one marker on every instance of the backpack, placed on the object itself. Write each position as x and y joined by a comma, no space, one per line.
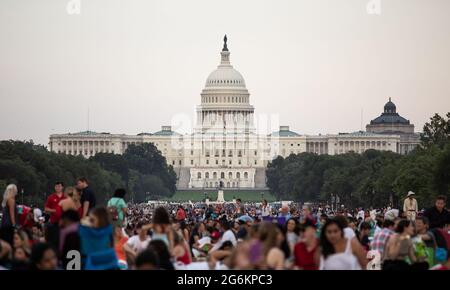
113,212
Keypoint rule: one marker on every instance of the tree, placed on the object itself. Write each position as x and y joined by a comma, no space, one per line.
436,132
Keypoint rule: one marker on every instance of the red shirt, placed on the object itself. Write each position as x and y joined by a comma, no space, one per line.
52,203
181,214
303,258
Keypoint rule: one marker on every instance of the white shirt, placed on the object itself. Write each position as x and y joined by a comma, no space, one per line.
349,233
201,242
341,261
227,236
37,213
360,215
266,211
137,245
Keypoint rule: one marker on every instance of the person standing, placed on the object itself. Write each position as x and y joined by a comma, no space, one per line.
53,200
72,202
10,220
117,207
87,195
240,208
266,209
51,208
438,214
181,214
410,207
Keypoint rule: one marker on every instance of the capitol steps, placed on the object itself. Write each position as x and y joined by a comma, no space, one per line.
260,178
184,176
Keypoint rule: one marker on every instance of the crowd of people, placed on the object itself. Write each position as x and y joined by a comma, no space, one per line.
210,235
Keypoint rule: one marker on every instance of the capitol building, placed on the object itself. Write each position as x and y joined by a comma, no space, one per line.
225,149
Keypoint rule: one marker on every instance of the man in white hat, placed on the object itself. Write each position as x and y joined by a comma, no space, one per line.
410,207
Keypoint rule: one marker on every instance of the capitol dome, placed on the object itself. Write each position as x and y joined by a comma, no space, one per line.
225,76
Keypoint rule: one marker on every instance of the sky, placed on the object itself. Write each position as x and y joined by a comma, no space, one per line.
321,66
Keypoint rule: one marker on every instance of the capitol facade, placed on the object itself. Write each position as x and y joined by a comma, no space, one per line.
225,148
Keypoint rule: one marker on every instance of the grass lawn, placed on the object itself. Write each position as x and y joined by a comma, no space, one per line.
245,195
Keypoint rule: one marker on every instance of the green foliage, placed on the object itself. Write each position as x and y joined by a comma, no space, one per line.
368,179
35,170
142,169
436,132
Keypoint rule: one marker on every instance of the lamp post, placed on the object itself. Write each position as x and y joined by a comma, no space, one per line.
332,201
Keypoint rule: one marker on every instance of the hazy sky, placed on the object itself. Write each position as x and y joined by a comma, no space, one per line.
135,64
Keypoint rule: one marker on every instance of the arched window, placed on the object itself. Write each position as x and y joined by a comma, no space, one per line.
228,184
222,175
238,175
245,175
207,175
199,175
230,175
214,175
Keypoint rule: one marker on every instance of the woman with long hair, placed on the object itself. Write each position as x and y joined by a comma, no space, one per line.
10,219
292,230
271,238
180,249
21,239
400,247
162,229
97,241
70,203
339,252
161,249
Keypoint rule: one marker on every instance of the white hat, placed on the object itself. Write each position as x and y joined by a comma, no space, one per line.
410,193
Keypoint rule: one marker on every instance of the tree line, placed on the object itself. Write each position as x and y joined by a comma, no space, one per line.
373,178
142,170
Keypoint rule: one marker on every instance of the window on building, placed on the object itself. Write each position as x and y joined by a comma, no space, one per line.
192,152
179,162
222,175
173,162
238,175
207,175
214,175
245,174
239,161
229,161
230,175
217,162
192,162
207,161
199,175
